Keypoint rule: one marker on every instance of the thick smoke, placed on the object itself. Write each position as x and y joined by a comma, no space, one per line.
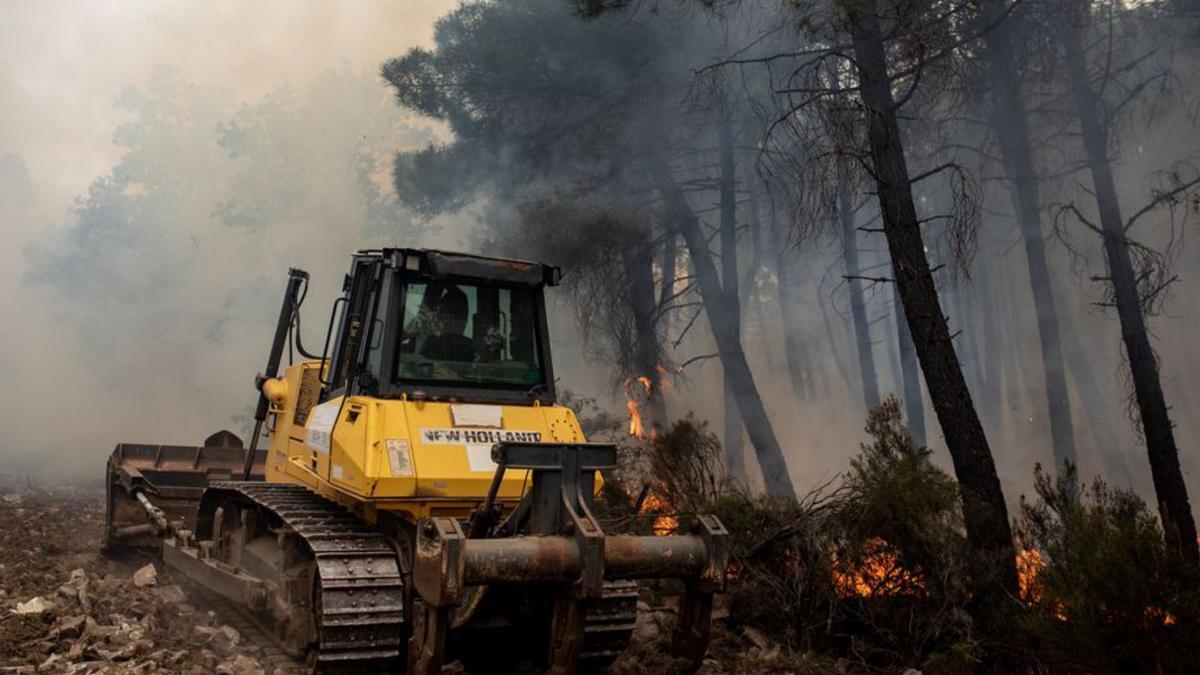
161,166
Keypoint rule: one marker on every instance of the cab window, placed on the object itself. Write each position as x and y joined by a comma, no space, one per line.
467,334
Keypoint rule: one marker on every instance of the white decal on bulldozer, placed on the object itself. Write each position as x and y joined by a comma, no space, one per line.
474,415
479,458
399,458
320,424
460,436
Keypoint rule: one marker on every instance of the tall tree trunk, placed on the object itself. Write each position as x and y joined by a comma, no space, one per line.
893,352
1012,126
891,345
750,280
670,259
735,453
1096,410
1173,505
666,290
858,308
836,343
639,271
793,345
914,402
968,341
984,510
729,345
1009,346
989,366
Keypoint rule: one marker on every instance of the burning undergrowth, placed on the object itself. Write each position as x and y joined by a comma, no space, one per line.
1108,593
872,568
865,567
868,567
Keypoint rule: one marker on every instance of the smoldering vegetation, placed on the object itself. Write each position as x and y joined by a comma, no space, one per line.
871,572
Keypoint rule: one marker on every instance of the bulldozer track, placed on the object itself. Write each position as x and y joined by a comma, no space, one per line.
359,602
608,624
273,659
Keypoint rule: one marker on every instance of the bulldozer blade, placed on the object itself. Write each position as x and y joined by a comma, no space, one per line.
173,477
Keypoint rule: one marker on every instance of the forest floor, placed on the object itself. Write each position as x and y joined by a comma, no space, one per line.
65,608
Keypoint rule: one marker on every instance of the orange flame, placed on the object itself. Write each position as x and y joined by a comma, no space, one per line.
635,420
664,524
636,427
1029,566
880,574
1029,569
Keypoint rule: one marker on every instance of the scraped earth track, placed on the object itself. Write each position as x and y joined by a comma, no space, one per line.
93,617
97,620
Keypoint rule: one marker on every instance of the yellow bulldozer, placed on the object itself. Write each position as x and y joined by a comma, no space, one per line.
422,496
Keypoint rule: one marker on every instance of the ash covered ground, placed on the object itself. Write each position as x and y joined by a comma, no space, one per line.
65,608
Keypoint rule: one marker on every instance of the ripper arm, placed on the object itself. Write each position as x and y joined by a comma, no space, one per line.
565,545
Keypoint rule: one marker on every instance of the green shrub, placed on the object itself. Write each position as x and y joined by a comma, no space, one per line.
869,567
899,555
1110,596
894,493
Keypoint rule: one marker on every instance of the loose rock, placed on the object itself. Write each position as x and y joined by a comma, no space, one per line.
172,595
242,665
145,576
756,637
35,605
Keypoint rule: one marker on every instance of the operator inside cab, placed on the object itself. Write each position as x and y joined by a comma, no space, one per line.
449,341
467,333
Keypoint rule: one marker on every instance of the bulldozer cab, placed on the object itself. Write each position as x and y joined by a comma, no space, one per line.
431,325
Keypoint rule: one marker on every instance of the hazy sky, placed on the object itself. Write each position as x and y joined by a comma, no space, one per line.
63,62
62,66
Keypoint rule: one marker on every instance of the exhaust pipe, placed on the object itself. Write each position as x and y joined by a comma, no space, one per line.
297,278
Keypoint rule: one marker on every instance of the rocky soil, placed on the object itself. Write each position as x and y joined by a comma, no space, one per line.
64,608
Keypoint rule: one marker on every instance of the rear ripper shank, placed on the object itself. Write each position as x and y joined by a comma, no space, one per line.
422,495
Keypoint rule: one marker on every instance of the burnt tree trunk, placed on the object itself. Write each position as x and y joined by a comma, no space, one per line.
891,342
735,454
989,343
729,345
1096,410
858,308
793,345
836,342
910,374
1173,505
750,280
987,369
667,290
638,259
1012,126
984,509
